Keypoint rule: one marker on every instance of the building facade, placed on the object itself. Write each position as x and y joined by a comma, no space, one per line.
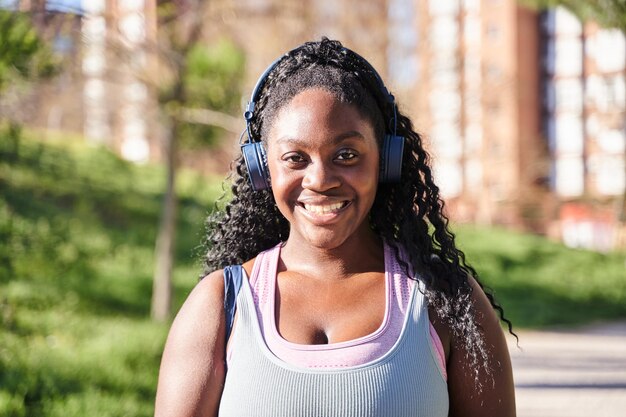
584,103
524,116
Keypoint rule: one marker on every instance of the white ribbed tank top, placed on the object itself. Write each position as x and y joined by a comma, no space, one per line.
406,381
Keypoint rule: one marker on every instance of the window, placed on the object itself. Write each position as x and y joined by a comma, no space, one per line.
94,6
473,173
449,177
569,95
569,176
566,22
610,173
568,57
471,5
447,140
609,49
569,134
612,141
445,104
439,7
444,33
471,30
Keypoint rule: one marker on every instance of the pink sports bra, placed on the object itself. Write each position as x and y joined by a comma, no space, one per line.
343,354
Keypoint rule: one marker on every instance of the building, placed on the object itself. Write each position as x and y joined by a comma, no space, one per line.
584,118
524,116
120,109
477,100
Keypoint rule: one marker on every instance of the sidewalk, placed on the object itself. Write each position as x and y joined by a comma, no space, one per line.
572,373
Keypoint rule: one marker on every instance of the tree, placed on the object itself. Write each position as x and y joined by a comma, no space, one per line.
24,56
608,13
192,77
194,84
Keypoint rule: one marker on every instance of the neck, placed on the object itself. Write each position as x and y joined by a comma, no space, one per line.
356,255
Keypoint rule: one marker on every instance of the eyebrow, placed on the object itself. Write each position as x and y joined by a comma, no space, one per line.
342,136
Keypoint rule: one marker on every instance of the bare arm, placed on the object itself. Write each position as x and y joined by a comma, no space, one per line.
192,373
497,398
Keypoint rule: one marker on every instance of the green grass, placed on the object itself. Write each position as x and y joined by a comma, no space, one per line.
77,230
542,283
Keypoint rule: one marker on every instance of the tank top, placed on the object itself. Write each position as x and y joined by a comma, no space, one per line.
405,381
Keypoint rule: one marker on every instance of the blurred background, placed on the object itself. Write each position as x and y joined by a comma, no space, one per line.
119,119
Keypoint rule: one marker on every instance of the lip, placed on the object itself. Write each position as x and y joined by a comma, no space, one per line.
321,219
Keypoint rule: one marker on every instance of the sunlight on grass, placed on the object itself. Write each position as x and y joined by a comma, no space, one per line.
542,283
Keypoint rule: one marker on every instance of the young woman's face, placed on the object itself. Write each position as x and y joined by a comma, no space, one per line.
323,160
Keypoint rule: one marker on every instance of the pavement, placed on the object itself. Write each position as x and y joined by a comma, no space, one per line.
571,373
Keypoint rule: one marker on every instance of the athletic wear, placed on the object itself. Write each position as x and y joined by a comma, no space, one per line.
398,288
404,380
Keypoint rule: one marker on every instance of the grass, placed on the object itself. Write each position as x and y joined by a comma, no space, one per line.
77,230
542,283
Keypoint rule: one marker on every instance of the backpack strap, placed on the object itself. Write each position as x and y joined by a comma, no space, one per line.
233,276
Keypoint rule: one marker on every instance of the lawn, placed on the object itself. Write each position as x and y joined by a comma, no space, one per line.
77,229
542,283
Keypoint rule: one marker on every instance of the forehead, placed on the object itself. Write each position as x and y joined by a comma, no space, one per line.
318,113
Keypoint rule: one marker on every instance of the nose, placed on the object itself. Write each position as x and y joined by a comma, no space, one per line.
320,177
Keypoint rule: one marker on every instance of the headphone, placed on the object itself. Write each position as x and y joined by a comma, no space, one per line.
255,156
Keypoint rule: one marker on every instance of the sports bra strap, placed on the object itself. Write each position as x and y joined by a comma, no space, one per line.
232,284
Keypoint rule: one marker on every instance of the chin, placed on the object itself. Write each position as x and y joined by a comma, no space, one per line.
326,244
325,240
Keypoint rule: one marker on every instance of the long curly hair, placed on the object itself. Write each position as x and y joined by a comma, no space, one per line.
409,215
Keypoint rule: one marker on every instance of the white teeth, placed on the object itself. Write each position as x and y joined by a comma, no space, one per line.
323,209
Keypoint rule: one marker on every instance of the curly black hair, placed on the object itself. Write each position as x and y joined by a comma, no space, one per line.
409,215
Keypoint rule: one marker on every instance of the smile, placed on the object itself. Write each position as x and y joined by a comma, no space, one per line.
324,208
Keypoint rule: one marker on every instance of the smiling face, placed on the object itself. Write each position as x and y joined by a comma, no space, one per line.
323,160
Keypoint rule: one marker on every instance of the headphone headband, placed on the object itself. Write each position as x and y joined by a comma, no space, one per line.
254,152
248,114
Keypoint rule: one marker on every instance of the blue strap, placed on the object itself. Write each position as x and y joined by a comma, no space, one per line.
232,285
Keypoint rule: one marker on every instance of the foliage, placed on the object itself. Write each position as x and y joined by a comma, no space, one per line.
196,73
212,79
608,13
213,75
23,54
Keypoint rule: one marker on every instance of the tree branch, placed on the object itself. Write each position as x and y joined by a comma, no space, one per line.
210,118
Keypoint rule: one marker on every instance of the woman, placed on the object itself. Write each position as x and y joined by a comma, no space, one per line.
355,300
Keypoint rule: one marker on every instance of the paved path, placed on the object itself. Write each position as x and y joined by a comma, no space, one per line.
572,373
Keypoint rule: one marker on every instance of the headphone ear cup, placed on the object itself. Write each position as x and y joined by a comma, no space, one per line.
391,159
256,163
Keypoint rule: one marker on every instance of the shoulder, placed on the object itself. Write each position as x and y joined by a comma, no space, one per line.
497,396
209,289
206,300
193,357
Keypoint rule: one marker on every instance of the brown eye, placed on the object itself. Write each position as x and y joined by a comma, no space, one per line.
294,158
346,155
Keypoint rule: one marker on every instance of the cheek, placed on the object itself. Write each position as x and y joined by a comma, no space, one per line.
367,177
284,187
